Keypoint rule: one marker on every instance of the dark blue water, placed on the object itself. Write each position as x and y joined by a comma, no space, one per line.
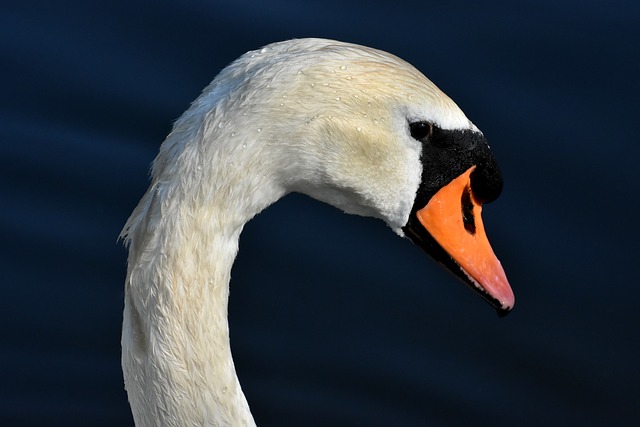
335,320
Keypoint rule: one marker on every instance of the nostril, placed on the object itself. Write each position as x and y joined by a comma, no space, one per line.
468,218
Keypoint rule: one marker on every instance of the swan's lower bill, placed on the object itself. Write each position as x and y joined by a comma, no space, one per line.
452,217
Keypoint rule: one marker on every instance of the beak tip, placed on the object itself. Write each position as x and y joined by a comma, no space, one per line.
506,305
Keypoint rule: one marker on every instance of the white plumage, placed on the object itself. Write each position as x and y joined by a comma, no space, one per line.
321,117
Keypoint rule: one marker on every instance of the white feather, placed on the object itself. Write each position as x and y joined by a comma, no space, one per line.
321,117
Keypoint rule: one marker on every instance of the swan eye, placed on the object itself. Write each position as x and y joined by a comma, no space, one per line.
422,131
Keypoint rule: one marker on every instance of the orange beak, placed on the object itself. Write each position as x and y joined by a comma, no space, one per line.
453,218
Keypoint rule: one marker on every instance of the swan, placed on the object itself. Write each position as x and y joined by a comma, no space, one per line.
351,126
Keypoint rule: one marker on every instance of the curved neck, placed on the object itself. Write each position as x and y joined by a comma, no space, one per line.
183,239
177,358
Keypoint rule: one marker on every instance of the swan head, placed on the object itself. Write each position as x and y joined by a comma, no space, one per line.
365,131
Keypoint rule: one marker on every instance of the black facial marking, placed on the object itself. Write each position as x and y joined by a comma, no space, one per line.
443,139
448,153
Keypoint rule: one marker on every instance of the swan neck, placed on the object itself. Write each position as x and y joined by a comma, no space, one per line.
177,359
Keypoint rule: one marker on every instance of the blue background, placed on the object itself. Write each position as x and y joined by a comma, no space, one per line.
335,320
